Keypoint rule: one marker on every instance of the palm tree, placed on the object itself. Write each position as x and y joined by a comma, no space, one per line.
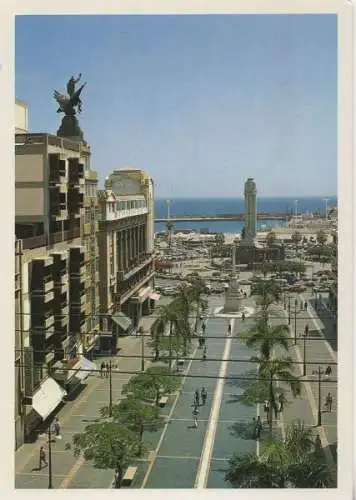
267,337
282,464
197,289
169,314
185,306
272,369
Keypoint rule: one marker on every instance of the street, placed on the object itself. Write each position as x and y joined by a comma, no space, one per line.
180,455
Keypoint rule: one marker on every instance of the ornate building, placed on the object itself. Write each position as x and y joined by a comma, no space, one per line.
126,253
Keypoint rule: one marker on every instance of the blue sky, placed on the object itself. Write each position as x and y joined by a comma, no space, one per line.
199,102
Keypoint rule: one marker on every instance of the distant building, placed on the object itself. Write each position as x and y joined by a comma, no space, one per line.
126,253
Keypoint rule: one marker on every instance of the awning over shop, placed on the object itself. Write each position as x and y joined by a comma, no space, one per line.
84,367
155,296
143,294
47,397
122,320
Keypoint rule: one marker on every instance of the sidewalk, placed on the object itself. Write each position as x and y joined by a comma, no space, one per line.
67,470
305,407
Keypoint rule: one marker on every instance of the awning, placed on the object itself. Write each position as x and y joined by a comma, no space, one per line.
47,397
155,296
143,294
122,320
84,368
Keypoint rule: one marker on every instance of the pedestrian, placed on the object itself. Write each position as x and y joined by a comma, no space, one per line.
328,371
301,305
305,306
243,316
293,389
329,402
204,395
203,327
107,369
229,329
196,398
204,354
275,408
281,402
102,369
245,295
195,414
298,388
57,427
258,427
317,445
254,427
42,458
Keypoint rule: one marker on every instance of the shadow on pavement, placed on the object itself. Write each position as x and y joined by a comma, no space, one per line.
244,382
242,430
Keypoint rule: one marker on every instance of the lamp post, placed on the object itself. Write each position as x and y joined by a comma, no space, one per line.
110,389
295,321
288,309
306,332
319,373
50,486
284,300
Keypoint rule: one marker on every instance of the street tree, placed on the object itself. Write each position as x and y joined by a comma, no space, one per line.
272,369
219,239
282,464
152,383
109,445
198,289
186,307
271,238
296,238
135,414
267,292
321,237
168,317
266,337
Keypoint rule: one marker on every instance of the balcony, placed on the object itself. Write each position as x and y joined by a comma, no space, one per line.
48,320
49,333
47,297
57,169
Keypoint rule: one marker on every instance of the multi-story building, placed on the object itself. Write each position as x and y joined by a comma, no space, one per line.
126,252
55,217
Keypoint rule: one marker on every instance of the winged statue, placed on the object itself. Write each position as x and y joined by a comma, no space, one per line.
68,103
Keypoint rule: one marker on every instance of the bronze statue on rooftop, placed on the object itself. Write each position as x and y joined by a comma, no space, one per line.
67,105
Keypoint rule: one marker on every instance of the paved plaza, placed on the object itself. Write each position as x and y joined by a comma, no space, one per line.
180,455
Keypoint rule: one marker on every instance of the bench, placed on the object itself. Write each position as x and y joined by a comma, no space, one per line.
129,476
163,400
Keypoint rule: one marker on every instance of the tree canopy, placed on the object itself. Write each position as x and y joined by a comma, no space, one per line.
152,383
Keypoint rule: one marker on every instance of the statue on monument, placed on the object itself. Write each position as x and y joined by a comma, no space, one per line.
67,105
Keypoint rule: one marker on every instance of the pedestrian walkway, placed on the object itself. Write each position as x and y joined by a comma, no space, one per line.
306,406
67,470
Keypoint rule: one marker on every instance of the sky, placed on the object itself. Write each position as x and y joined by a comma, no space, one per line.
199,102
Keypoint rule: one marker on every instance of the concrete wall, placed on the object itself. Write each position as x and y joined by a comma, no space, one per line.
29,202
21,117
29,168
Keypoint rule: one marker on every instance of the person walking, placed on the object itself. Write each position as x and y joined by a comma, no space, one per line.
57,428
329,402
196,398
317,445
258,427
102,369
42,458
328,371
195,419
107,369
305,306
281,402
204,353
229,329
243,316
203,394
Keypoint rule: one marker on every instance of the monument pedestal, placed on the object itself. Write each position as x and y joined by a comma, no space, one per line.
233,298
70,129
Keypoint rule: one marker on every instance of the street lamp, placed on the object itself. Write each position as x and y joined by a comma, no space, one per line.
288,309
295,321
306,332
319,373
49,436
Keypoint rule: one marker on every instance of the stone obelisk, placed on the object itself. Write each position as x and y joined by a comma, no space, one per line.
250,212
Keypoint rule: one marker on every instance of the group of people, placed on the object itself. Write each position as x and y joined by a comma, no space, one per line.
104,369
198,396
277,406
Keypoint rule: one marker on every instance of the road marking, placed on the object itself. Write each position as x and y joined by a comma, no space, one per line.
71,474
148,472
334,357
204,464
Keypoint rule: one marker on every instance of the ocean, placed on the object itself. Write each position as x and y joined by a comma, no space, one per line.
216,206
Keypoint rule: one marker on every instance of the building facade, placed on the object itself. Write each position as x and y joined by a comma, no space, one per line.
126,253
56,223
